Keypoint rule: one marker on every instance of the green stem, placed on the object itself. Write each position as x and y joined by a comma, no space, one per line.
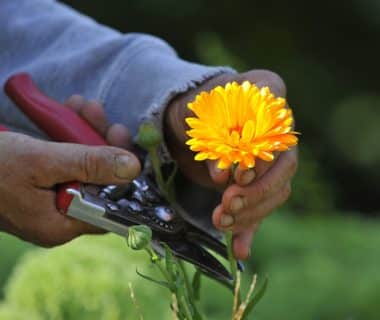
157,263
187,281
186,308
157,168
231,259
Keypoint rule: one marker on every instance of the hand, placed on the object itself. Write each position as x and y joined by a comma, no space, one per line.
256,192
30,169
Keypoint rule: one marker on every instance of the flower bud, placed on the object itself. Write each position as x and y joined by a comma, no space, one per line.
139,237
148,136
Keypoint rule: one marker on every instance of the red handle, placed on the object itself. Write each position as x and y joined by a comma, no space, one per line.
57,121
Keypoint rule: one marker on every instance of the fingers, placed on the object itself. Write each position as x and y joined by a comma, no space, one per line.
244,177
118,136
75,102
57,228
219,176
237,198
242,239
243,207
93,112
242,242
265,78
65,162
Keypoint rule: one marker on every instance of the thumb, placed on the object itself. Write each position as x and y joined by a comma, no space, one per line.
97,165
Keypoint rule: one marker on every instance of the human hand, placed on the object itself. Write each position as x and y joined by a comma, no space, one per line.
256,192
30,169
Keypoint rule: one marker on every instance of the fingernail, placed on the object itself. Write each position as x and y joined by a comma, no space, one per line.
226,220
237,204
125,167
248,177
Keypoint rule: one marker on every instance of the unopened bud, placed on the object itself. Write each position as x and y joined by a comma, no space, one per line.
148,136
139,237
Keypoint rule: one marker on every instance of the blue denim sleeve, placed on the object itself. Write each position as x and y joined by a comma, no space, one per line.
133,75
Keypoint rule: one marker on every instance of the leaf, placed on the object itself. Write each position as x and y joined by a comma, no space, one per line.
196,284
161,283
256,299
185,308
169,264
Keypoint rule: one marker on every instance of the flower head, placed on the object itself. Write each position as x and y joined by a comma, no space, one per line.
238,124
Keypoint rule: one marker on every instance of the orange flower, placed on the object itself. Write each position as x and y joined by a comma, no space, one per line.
239,123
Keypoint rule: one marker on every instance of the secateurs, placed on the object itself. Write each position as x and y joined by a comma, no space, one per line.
115,208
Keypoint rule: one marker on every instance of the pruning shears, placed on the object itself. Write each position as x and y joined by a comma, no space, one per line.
116,208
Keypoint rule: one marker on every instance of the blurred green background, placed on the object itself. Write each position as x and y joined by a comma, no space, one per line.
321,251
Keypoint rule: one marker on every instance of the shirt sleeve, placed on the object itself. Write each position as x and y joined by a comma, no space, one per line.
133,75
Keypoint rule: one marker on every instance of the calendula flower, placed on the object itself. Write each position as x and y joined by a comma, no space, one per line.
238,124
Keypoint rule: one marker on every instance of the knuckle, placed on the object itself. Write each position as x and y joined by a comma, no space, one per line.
89,166
275,82
230,193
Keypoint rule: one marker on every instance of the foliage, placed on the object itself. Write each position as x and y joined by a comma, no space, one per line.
86,279
318,269
10,251
10,312
312,189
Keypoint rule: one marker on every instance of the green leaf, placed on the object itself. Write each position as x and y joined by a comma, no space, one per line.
170,264
256,299
159,282
185,308
196,284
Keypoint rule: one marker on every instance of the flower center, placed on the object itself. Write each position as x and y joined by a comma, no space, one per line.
236,129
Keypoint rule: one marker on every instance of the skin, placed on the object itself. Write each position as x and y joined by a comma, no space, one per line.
37,166
254,193
30,169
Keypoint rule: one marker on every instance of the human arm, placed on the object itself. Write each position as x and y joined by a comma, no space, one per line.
132,75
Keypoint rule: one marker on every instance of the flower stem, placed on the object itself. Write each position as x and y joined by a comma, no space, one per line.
157,263
186,280
157,168
233,266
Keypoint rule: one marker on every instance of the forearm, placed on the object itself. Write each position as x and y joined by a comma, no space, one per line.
133,75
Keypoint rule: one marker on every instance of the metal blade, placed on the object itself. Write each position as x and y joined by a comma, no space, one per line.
198,256
196,235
